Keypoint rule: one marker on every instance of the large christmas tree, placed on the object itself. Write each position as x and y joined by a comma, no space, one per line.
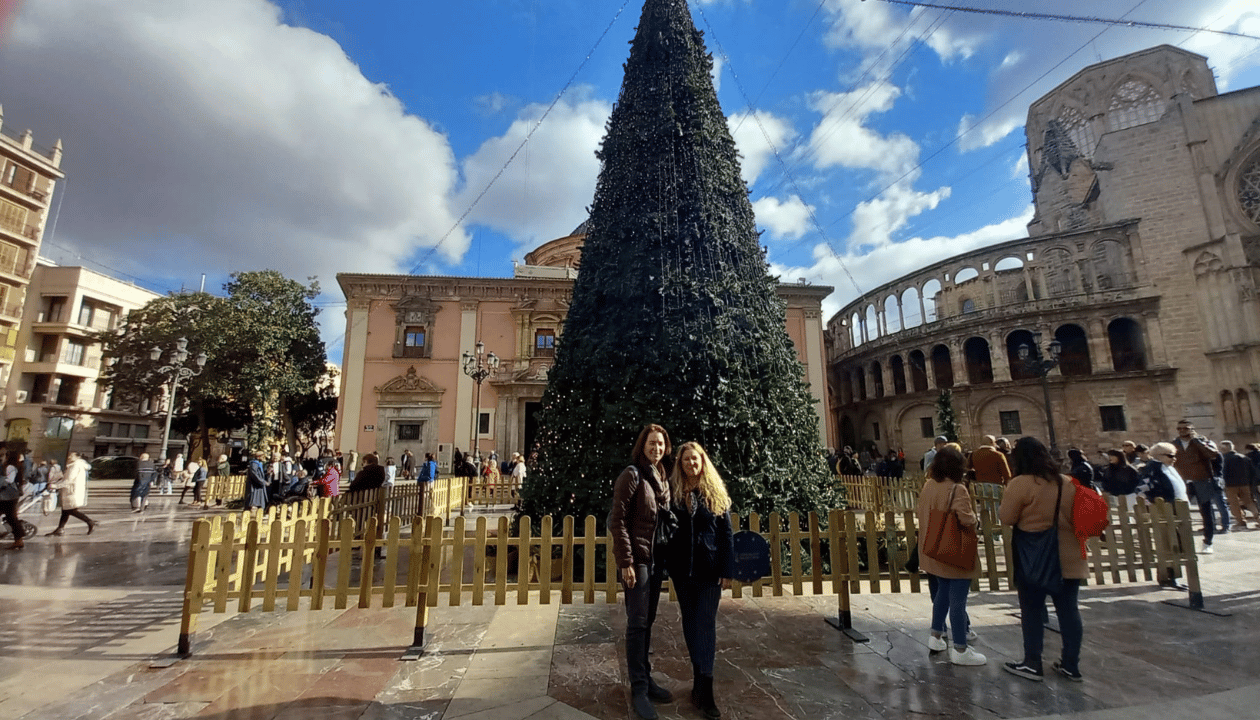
675,318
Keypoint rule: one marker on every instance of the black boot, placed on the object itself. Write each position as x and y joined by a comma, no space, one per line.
655,692
704,685
637,670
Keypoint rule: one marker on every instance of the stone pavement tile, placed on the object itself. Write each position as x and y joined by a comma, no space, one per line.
812,692
498,709
430,678
201,683
358,679
559,711
161,711
519,627
419,710
454,638
260,696
311,711
579,624
576,665
504,663
475,696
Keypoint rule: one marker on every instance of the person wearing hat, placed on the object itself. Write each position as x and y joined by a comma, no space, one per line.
930,455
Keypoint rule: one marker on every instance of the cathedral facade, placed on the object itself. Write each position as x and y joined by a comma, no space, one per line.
1140,270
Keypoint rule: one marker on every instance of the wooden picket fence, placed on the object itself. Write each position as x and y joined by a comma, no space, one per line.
486,491
239,561
221,488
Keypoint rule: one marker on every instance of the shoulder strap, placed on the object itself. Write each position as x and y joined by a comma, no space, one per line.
1057,502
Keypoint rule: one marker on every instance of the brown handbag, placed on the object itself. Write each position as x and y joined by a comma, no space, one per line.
948,541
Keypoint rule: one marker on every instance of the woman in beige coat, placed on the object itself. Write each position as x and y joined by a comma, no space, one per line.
1028,505
72,489
944,490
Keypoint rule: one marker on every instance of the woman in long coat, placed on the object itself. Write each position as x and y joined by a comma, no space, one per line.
256,483
71,487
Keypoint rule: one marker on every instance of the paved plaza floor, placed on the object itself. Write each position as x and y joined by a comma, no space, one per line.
82,620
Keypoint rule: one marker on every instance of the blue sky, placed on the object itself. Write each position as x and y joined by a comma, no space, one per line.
318,136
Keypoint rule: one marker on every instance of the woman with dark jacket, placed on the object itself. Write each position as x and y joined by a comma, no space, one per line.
11,494
256,482
640,492
1039,498
701,562
1119,477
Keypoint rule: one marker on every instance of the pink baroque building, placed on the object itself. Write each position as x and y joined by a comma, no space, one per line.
1141,265
402,381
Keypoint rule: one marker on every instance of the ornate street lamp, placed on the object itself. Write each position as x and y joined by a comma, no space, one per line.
1036,363
177,371
478,366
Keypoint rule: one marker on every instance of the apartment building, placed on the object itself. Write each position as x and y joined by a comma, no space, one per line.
53,403
28,175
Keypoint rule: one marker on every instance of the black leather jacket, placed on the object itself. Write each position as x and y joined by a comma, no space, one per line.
702,551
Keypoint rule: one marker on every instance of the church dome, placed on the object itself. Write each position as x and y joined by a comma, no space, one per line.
561,252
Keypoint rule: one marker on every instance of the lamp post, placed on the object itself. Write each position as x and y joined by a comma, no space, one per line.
1035,362
478,365
177,371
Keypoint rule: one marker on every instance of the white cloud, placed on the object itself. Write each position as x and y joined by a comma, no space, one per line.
1019,171
875,220
718,64
974,137
544,193
883,30
751,132
493,103
212,136
893,260
786,220
842,139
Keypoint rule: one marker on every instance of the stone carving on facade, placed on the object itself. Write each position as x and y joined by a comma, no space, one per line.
410,387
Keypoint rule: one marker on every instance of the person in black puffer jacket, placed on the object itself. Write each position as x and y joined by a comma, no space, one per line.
701,562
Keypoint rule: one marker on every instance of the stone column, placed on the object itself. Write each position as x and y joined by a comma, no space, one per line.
922,308
1100,359
959,361
352,391
997,356
1153,339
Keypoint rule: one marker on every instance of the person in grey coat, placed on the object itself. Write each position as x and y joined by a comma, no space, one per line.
146,473
256,483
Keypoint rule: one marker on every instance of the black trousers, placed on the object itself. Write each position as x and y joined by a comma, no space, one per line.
10,510
698,605
67,514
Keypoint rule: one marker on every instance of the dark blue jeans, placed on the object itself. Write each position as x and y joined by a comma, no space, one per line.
1032,613
642,601
950,596
698,605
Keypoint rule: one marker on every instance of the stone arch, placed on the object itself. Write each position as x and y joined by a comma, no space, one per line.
986,415
942,367
872,322
898,368
1111,267
1135,101
1057,266
1074,354
966,305
1019,370
1207,263
1128,351
892,314
848,434
1075,122
855,330
1010,262
966,274
931,290
979,362
910,307
918,371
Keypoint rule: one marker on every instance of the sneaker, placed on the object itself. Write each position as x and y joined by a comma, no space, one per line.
972,637
966,657
1207,550
936,644
1073,675
1024,670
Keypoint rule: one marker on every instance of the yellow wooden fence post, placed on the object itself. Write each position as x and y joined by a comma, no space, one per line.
194,585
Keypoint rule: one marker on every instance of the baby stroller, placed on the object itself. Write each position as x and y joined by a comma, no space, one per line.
27,504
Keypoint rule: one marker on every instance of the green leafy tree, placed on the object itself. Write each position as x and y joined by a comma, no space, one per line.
314,417
134,378
675,318
262,349
210,413
946,421
275,347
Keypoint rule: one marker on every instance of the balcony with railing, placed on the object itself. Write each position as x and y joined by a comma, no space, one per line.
24,231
